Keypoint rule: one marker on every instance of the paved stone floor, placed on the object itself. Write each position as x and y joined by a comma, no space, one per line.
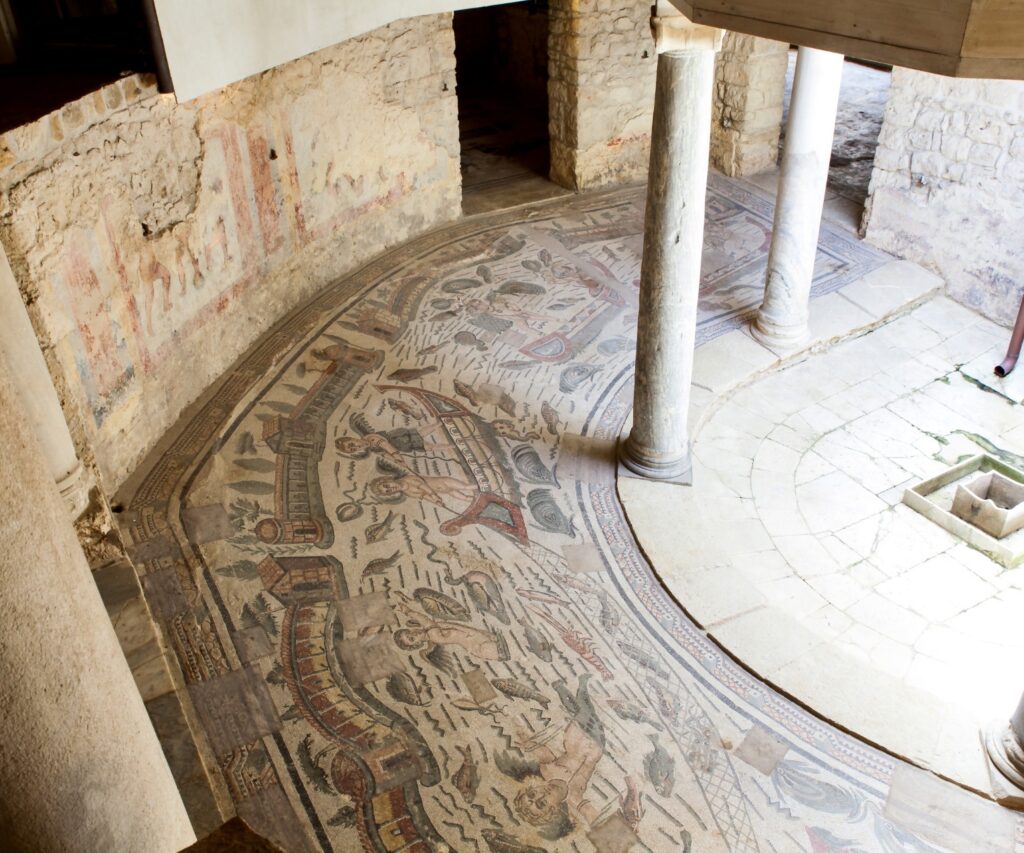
406,608
856,594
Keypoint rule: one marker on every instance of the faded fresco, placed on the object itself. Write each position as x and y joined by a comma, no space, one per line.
395,574
158,239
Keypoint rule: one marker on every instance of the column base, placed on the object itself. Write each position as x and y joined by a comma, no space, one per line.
1006,754
641,466
777,337
74,488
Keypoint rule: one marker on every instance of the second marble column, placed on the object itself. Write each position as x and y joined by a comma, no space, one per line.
782,321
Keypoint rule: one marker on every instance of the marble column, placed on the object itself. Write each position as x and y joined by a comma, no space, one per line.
658,444
782,321
20,347
1006,747
80,764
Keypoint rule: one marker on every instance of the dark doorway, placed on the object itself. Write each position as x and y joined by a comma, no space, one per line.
55,51
501,57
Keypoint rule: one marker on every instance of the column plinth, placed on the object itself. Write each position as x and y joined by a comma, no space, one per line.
1005,745
782,321
658,444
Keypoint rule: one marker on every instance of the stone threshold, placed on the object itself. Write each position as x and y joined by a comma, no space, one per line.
947,744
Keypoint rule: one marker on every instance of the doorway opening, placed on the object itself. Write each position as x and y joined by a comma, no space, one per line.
501,68
55,52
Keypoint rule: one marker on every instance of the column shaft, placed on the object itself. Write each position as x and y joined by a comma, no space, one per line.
782,320
80,764
31,377
658,444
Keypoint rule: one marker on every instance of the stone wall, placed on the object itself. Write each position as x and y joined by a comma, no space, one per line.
750,84
155,241
947,189
602,65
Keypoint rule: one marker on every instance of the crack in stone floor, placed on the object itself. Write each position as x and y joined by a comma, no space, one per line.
389,558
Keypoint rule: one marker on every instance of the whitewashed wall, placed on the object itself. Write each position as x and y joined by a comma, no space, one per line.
211,44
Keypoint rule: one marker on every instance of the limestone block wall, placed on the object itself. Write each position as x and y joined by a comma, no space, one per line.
947,190
155,241
750,84
602,65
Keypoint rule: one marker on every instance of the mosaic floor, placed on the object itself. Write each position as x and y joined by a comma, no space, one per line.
389,557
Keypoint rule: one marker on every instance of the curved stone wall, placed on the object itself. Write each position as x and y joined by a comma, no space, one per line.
154,241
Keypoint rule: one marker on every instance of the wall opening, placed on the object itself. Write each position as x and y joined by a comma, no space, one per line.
55,52
501,67
862,100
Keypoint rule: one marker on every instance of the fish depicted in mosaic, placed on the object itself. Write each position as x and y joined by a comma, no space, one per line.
612,346
465,704
584,585
517,690
668,706
411,374
467,778
548,514
440,605
460,285
628,711
660,768
483,591
502,842
380,565
631,804
520,288
404,409
468,339
528,464
609,616
550,417
380,530
402,688
516,364
574,376
430,350
645,659
538,644
541,597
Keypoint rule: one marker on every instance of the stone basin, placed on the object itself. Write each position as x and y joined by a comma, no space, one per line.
992,502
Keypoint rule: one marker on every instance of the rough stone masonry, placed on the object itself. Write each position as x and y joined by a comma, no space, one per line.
155,241
947,189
